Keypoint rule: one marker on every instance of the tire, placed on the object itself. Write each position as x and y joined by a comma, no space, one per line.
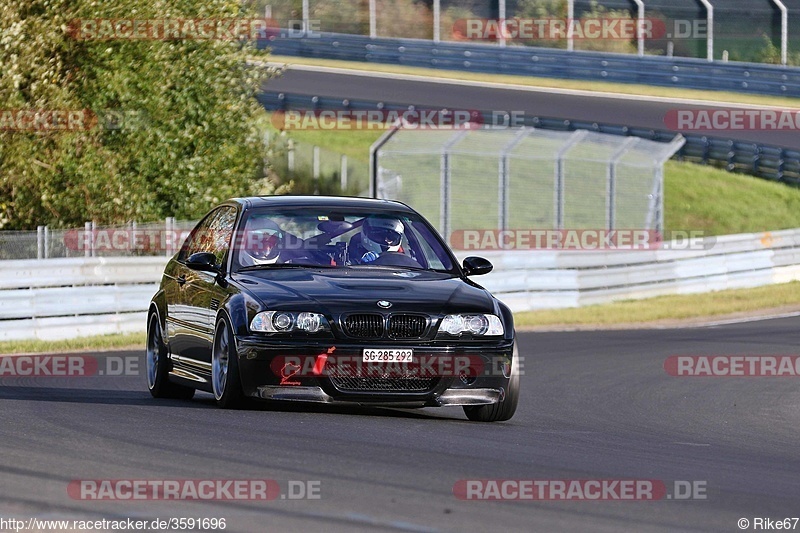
225,380
501,411
158,365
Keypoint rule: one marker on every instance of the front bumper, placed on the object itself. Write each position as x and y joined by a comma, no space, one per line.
262,377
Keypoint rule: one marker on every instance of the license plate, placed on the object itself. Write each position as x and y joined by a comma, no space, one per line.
390,355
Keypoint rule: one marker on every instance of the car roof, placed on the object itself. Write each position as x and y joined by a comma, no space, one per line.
322,201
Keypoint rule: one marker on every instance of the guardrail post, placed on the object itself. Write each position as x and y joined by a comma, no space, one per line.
343,173
290,156
46,242
305,17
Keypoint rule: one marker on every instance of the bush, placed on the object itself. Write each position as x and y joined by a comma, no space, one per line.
193,141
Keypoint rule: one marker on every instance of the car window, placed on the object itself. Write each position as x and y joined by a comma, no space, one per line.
338,238
213,234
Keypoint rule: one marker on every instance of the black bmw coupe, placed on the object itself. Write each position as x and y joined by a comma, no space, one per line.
329,299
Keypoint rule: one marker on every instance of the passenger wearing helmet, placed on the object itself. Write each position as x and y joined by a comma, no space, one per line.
263,242
378,235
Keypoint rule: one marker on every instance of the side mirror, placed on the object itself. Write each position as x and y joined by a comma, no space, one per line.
476,266
204,262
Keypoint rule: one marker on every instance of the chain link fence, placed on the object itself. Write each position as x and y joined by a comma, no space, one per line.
129,240
499,179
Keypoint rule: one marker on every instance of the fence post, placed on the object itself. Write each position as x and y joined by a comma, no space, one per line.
611,184
502,16
437,20
88,239
575,138
39,242
290,156
639,27
570,17
169,224
315,162
343,173
46,242
710,29
784,30
373,22
445,177
503,181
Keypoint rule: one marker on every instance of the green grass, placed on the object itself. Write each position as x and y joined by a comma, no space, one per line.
718,202
100,342
596,86
675,307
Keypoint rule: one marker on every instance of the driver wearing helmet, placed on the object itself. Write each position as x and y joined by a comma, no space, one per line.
263,242
378,235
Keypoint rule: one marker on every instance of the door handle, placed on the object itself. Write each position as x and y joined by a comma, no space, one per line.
181,279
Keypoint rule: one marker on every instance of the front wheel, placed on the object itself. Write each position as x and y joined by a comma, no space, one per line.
157,365
225,369
504,410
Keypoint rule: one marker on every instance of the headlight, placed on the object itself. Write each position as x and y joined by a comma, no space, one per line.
478,325
285,321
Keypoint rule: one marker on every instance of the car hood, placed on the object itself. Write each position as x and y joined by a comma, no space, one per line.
336,291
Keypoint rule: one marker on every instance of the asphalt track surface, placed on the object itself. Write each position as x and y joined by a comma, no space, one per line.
594,405
442,94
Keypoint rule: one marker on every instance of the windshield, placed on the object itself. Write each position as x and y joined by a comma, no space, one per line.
280,238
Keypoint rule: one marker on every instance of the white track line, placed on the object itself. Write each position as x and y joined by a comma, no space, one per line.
526,88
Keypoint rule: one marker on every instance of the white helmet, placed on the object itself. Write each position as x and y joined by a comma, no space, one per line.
381,234
263,240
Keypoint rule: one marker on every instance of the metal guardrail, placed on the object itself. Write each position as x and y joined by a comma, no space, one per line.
765,161
558,279
66,298
687,73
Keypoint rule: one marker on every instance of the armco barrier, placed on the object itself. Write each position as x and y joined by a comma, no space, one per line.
527,280
64,298
765,161
689,73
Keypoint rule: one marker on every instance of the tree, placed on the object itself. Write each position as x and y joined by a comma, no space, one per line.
170,127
